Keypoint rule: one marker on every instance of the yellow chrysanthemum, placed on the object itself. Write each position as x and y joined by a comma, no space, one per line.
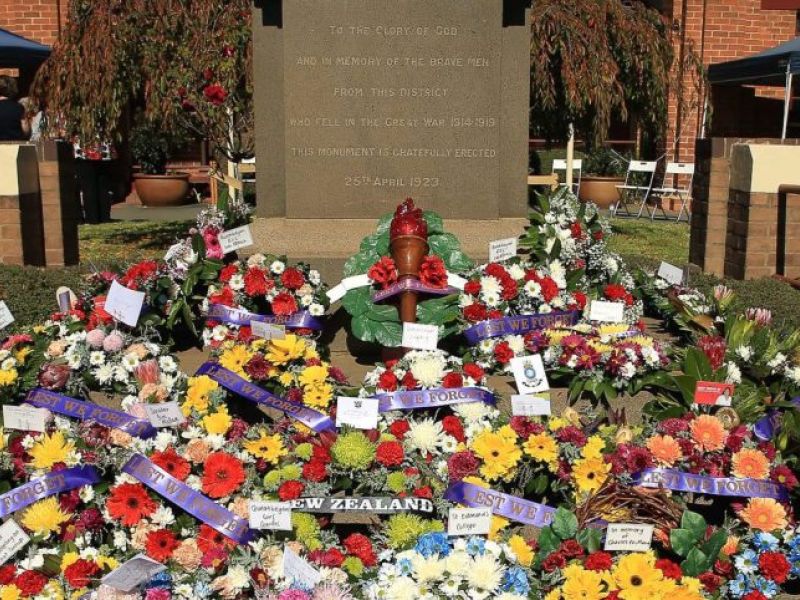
554,595
599,346
556,423
582,584
22,354
50,449
496,525
8,376
267,447
10,592
313,375
44,517
594,447
280,352
286,379
106,562
217,422
54,590
67,559
235,358
637,577
318,396
310,352
521,549
541,447
556,335
590,474
197,394
612,329
499,453
642,340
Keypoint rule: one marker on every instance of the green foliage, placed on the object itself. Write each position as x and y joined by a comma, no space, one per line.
565,527
605,162
151,148
689,542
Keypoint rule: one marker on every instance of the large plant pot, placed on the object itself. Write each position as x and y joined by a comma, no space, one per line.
600,190
162,190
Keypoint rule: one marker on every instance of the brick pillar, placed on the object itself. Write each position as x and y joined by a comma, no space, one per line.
789,234
21,229
59,204
710,205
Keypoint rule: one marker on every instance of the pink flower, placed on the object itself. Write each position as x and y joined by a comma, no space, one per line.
293,594
95,338
148,372
113,342
157,594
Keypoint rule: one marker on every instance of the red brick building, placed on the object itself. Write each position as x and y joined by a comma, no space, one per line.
35,19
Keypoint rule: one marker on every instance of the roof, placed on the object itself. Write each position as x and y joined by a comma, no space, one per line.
17,52
765,68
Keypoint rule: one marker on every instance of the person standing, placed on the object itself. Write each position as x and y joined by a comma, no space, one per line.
93,167
13,124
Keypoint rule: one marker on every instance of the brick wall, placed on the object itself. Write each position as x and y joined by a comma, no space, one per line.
34,19
720,30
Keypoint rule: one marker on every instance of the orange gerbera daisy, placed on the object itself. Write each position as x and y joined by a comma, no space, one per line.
129,503
749,462
223,475
708,433
665,449
765,514
172,462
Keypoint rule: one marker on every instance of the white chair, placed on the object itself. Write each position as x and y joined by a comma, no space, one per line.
680,175
560,164
637,187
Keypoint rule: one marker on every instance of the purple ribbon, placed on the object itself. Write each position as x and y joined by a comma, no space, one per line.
680,481
42,487
238,385
411,285
240,316
193,502
504,505
433,398
769,426
519,324
87,411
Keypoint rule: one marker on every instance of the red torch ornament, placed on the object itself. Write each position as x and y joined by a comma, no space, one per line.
408,243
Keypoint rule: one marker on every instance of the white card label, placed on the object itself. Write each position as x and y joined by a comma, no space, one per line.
123,304
607,312
336,293
268,331
66,298
361,413
12,539
628,537
456,281
529,374
670,273
298,570
502,249
25,418
419,336
164,414
270,515
356,281
233,239
133,573
529,406
6,318
469,521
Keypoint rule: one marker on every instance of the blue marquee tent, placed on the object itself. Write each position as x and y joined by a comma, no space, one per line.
17,52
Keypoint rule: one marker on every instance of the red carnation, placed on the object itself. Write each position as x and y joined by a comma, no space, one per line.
399,428
495,270
474,371
284,304
7,573
432,272
754,595
614,291
383,272
710,581
669,568
452,426
160,544
321,454
388,381
774,566
30,583
359,546
549,288
224,297
390,454
424,492
315,471
292,278
462,464
571,549
503,353
255,282
408,381
452,380
290,490
215,94
227,272
172,463
475,312
598,561
472,287
554,560
80,573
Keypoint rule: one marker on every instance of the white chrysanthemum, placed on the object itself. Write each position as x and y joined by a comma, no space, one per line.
256,260
168,364
533,289
485,573
458,563
4,354
428,367
306,300
314,277
194,482
97,358
130,361
164,439
517,344
449,587
216,441
236,282
628,370
238,577
428,569
86,494
734,375
491,299
473,412
104,374
120,374
558,273
277,267
424,435
316,309
449,444
490,284
744,352
793,373
516,271
163,516
403,588
73,360
486,346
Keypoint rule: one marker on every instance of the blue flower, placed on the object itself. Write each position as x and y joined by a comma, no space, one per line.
746,562
433,543
794,543
765,541
515,580
404,566
160,580
765,586
739,586
476,546
202,590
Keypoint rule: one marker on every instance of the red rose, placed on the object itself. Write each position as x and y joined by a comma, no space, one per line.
452,426
432,272
503,353
598,235
475,312
315,471
383,272
81,572
472,287
160,544
452,380
723,568
598,561
473,371
390,454
215,94
30,583
554,560
284,305
292,278
290,490
399,428
359,546
670,569
576,231
7,573
774,566
571,549
388,381
710,581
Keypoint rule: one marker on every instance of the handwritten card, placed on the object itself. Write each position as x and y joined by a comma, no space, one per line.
164,414
713,393
607,312
268,331
25,418
336,293
361,413
6,318
628,537
529,406
132,573
276,516
469,521
12,539
529,374
233,239
419,336
123,304
670,273
298,570
502,249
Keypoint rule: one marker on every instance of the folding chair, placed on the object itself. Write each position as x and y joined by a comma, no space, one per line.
679,173
637,186
560,164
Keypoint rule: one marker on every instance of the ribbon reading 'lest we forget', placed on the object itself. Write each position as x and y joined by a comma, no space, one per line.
504,505
680,481
519,324
239,316
42,487
411,285
432,398
238,385
193,502
86,411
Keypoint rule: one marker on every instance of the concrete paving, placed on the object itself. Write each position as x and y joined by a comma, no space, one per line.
136,212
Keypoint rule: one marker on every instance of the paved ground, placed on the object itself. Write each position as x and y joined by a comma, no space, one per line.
135,212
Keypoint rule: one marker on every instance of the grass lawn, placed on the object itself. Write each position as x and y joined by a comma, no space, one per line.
128,241
645,242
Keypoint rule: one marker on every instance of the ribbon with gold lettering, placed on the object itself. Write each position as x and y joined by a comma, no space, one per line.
680,481
432,398
504,505
42,487
519,324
